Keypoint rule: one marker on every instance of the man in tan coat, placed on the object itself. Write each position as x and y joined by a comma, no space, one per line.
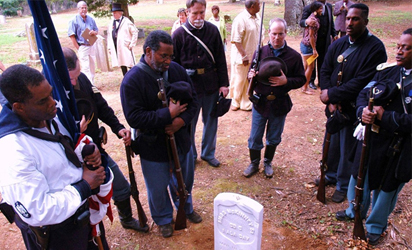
122,37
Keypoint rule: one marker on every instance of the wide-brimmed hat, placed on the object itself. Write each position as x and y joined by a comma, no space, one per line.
116,7
270,66
85,107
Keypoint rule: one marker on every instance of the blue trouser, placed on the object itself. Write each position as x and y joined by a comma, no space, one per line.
383,203
275,125
157,176
120,185
208,140
345,141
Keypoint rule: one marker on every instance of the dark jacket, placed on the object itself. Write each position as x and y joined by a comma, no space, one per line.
190,55
384,169
144,111
358,69
295,79
101,110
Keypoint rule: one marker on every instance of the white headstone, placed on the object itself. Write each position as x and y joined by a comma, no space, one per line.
237,222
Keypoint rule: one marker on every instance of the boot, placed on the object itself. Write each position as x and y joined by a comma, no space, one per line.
253,168
126,216
268,157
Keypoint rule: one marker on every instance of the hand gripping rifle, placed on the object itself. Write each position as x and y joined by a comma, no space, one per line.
181,217
358,230
134,191
256,62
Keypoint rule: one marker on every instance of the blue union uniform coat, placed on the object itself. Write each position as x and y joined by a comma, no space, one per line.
384,170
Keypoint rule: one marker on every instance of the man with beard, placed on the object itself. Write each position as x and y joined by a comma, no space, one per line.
198,48
351,61
144,111
389,149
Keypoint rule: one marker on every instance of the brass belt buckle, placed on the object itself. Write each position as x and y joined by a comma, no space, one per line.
200,71
271,97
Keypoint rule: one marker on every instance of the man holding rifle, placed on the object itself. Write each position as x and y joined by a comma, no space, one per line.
245,30
389,159
348,67
84,92
144,111
280,71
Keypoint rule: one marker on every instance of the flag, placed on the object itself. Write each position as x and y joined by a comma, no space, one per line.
55,67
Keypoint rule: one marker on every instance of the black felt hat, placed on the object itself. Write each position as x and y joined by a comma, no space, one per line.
85,107
116,7
270,66
384,91
179,91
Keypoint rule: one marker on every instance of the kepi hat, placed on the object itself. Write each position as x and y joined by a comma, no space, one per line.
270,66
179,91
116,7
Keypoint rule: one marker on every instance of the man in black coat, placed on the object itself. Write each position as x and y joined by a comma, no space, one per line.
389,160
326,34
350,61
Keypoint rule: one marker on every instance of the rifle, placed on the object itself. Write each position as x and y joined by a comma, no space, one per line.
358,229
181,217
323,166
134,191
256,62
323,163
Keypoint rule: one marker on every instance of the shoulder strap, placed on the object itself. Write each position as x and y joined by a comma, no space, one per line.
57,137
153,73
200,42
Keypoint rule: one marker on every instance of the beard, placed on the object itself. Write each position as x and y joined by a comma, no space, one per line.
198,23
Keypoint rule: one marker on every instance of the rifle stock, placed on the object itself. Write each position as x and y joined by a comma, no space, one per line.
134,190
358,229
255,62
181,217
323,166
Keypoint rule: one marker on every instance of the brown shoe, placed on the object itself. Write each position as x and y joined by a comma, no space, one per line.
233,108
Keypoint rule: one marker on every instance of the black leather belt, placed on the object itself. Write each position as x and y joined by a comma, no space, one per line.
199,71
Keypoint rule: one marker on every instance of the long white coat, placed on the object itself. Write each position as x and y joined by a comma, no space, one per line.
126,40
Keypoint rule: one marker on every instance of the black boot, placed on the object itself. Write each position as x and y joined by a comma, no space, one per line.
268,157
126,216
253,168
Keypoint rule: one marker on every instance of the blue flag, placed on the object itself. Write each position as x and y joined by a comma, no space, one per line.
54,66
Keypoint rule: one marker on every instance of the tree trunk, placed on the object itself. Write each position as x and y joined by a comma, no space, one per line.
293,12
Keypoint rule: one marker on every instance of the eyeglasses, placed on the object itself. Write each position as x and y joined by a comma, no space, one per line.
403,48
166,57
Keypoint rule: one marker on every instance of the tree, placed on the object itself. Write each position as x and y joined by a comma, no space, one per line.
102,8
293,11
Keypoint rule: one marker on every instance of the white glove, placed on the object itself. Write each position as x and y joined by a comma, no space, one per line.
359,132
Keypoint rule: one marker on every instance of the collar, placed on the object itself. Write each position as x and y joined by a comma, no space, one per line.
278,51
193,27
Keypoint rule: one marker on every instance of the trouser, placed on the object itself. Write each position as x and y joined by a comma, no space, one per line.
70,236
157,176
87,61
208,139
275,125
341,146
239,87
383,203
120,185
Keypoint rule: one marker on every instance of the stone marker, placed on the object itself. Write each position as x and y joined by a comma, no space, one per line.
101,54
237,222
33,47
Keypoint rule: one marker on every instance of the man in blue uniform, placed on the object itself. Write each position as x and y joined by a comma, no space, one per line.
274,101
143,111
350,61
389,160
203,57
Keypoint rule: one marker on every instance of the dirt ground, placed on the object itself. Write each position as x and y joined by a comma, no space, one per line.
293,218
